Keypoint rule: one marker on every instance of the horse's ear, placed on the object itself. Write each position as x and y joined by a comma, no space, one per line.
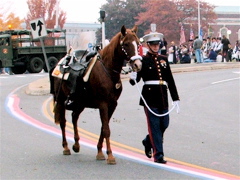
123,30
135,29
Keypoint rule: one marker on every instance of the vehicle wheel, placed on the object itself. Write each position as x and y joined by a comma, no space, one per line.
19,68
52,61
35,65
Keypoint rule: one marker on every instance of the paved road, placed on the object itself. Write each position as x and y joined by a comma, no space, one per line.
205,133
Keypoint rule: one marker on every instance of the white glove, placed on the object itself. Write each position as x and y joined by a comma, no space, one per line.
133,75
176,104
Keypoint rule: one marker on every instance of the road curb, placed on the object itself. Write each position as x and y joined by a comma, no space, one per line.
205,67
39,87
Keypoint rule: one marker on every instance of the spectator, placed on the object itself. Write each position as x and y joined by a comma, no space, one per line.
218,46
204,49
208,45
213,43
225,47
236,51
190,49
4,71
197,44
212,57
185,55
179,52
172,58
163,47
229,53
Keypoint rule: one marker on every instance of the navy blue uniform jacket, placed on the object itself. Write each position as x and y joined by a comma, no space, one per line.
156,67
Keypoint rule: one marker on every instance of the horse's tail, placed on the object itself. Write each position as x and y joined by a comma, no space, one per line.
52,91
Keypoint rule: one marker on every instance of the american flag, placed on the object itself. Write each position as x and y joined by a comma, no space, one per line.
182,36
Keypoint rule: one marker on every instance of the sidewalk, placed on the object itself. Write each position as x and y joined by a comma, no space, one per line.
42,86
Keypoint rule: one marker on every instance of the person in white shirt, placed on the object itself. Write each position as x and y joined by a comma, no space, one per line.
213,43
204,49
236,51
218,46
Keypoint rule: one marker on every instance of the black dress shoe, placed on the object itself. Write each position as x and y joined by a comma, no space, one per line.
161,160
148,151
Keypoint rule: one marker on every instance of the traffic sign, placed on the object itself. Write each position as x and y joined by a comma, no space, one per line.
38,28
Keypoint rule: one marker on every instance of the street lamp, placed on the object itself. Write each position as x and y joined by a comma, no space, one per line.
57,15
102,16
199,25
229,32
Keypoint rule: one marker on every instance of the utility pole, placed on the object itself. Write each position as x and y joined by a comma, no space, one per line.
199,25
57,15
102,16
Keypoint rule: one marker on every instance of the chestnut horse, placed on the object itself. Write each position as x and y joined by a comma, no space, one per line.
101,91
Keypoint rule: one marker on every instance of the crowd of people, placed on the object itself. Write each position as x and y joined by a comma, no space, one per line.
202,51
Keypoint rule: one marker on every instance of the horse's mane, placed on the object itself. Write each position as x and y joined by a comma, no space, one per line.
108,51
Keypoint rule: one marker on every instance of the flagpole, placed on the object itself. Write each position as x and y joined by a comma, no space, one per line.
199,19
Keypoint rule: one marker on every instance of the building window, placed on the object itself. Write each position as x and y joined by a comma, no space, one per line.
223,31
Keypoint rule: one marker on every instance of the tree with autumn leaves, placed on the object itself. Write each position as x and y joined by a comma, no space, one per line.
168,15
46,9
10,22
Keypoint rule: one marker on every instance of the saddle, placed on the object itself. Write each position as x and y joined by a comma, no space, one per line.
72,66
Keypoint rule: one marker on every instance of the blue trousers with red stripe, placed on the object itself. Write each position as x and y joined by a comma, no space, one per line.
156,128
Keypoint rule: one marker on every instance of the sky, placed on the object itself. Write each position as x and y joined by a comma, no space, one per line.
83,10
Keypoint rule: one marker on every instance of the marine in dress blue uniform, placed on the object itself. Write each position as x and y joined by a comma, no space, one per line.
158,79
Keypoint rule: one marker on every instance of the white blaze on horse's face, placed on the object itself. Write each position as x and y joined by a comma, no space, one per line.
135,61
135,47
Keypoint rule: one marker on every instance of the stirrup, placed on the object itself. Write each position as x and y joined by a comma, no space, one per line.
69,104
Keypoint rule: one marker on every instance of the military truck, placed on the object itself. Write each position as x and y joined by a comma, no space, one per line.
20,52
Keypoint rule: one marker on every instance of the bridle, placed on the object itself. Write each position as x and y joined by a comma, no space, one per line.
130,59
133,58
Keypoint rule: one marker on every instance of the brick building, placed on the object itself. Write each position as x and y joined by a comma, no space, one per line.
227,23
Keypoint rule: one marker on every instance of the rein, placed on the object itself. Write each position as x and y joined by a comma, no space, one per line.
107,69
158,115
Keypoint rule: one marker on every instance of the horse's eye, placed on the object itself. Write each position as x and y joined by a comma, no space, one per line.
126,45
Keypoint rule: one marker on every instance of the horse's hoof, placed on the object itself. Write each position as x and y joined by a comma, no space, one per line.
111,161
76,148
100,157
66,152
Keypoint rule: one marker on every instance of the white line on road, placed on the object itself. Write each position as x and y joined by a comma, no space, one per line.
225,80
237,72
20,76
